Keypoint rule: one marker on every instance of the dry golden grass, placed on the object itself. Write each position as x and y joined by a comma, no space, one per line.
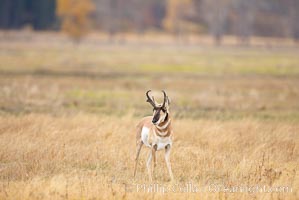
85,156
68,113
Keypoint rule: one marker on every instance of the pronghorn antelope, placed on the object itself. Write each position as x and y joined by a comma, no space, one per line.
155,132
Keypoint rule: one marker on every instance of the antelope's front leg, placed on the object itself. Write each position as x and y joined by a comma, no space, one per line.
149,166
167,160
154,153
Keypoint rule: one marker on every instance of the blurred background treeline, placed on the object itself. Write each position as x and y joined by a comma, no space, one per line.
181,18
136,45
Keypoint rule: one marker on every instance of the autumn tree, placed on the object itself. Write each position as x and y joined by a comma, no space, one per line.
244,18
75,17
215,14
293,8
176,11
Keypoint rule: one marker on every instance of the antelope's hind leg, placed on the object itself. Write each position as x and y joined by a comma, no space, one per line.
138,148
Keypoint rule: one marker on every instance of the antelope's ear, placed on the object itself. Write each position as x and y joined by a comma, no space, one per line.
168,101
167,104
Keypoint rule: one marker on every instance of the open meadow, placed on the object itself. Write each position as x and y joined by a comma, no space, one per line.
68,114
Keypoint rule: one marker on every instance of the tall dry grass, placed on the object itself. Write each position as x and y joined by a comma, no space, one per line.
67,116
86,156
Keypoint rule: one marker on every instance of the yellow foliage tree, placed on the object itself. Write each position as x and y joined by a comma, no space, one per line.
175,11
75,16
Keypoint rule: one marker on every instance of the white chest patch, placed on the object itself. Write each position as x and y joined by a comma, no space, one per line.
161,142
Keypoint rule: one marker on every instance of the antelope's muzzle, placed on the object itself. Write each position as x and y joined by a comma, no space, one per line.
156,117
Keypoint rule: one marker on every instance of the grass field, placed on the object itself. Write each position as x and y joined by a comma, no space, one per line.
68,114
